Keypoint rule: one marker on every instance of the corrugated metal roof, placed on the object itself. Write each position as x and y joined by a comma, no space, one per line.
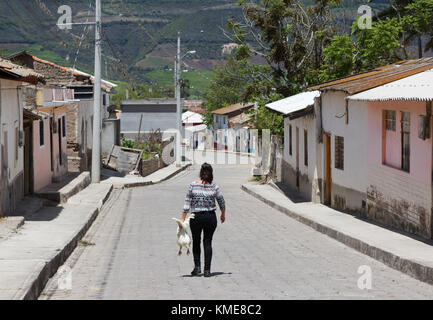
192,117
233,108
294,103
377,77
200,127
150,101
418,87
19,72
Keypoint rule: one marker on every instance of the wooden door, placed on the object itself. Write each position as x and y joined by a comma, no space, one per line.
27,159
328,180
297,157
59,135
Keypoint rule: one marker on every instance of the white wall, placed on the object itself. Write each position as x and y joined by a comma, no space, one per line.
11,118
304,123
355,139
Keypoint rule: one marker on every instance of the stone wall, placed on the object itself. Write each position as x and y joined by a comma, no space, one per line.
395,200
56,75
151,165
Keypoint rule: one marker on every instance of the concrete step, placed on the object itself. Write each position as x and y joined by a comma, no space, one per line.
62,191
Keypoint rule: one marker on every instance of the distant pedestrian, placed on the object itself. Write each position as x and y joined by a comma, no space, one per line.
201,201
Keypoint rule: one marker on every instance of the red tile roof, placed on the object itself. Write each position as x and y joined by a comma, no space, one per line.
19,72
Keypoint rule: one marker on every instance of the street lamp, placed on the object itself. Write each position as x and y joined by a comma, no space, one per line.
177,69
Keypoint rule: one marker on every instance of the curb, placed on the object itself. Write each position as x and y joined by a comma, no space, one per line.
174,173
149,183
36,284
409,267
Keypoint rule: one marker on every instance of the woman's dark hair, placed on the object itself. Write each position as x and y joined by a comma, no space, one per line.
206,173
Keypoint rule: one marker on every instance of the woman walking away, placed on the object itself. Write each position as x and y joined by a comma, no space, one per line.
201,201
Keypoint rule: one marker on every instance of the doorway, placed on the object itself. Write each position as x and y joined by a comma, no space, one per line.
59,135
28,165
328,180
297,158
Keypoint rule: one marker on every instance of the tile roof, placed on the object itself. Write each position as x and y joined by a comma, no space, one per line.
19,72
241,119
233,108
34,113
77,73
377,77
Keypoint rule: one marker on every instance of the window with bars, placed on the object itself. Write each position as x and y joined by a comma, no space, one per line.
405,141
390,120
17,143
41,133
339,152
290,140
64,126
306,148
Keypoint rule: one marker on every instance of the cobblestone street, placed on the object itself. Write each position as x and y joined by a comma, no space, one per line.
130,252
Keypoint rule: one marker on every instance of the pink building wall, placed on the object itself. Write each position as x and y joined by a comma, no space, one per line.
60,159
420,150
41,156
43,173
396,197
60,153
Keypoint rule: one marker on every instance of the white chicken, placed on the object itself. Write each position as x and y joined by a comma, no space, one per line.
183,238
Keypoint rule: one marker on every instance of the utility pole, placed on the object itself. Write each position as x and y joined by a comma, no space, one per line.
97,108
96,149
178,106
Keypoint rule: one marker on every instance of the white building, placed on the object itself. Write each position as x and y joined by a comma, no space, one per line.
326,146
11,133
298,167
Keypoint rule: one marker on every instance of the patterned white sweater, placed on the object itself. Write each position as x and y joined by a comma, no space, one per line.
201,197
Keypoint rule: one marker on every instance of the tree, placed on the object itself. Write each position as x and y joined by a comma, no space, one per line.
364,50
185,88
288,35
227,87
338,58
419,21
377,46
263,118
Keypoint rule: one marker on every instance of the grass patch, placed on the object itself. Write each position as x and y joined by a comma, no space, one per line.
84,243
199,80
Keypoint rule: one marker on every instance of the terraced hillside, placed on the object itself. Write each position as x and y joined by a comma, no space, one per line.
139,35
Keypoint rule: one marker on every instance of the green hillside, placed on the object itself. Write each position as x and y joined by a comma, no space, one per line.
141,34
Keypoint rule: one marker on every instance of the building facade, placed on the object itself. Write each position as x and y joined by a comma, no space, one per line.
79,114
12,77
366,146
139,118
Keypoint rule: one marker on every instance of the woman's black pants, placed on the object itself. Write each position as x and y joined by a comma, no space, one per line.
205,222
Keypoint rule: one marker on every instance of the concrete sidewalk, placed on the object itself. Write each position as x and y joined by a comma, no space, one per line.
34,252
31,256
405,253
130,181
